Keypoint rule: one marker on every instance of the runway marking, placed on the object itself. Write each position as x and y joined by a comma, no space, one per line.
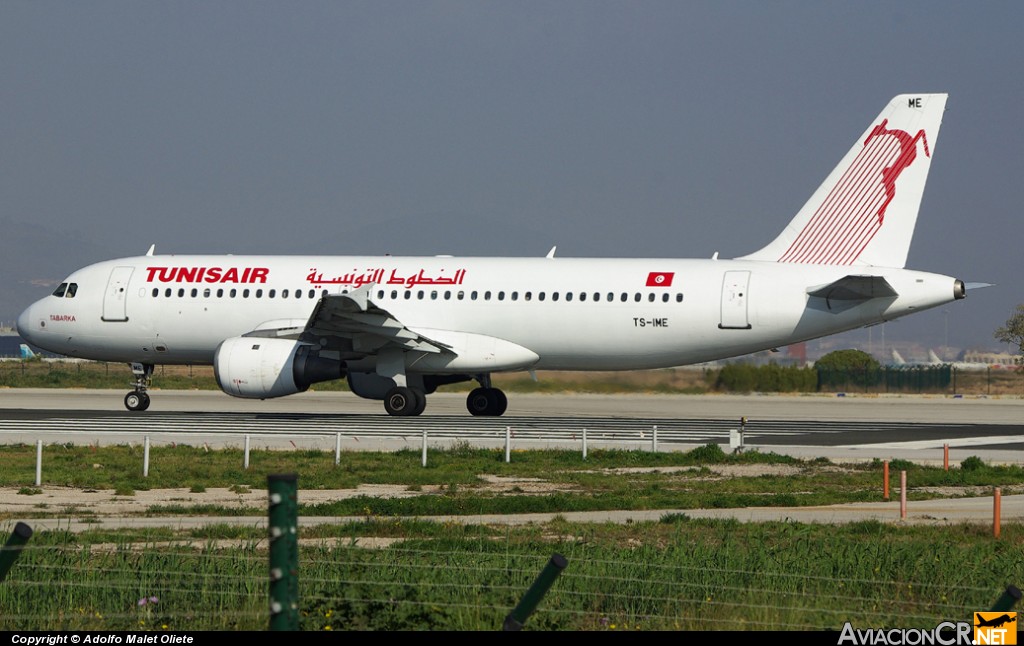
938,443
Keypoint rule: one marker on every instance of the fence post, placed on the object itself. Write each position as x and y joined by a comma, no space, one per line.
903,494
245,458
424,460
996,511
39,462
519,615
584,444
885,481
1006,600
284,552
337,449
508,444
12,549
145,458
654,439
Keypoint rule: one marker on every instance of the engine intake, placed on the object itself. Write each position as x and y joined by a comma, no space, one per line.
262,368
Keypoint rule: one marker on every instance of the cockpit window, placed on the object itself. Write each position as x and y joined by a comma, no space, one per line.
60,290
72,290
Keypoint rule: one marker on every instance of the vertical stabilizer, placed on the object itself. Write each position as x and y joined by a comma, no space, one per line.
865,211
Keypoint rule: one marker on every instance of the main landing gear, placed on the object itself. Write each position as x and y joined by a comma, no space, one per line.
486,401
402,401
138,399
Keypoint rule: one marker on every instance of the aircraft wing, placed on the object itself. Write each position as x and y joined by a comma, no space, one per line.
852,289
363,327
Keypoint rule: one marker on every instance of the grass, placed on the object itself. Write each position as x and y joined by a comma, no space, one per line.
676,573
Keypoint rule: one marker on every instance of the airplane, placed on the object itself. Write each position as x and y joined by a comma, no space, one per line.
397,328
933,359
26,352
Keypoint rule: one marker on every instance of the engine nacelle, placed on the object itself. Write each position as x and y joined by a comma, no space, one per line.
261,368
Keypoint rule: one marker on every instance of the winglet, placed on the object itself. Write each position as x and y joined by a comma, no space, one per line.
551,254
152,248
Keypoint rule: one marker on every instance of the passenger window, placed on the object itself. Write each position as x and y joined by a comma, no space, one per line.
624,297
394,295
259,293
195,292
583,296
472,295
312,293
419,295
156,292
206,293
611,297
448,295
679,298
245,293
527,296
460,295
515,296
650,297
181,292
234,292
501,296
554,296
220,293
63,287
636,297
664,298
298,293
284,293
408,295
568,296
270,294
167,292
487,296
597,296
433,294
540,296
380,294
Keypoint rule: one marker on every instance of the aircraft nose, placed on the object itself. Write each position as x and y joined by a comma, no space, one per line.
24,324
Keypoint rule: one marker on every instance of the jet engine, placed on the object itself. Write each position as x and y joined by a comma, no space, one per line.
261,368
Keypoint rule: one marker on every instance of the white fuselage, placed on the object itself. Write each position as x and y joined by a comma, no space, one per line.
574,314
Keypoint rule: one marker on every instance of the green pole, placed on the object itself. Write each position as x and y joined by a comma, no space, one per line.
1007,599
284,551
518,616
12,549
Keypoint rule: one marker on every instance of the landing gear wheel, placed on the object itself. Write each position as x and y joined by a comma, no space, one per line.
486,402
500,402
136,401
421,401
401,401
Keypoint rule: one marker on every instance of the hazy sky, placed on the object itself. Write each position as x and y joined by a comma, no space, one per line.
668,129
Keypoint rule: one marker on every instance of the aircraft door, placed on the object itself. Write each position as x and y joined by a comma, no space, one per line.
734,300
115,299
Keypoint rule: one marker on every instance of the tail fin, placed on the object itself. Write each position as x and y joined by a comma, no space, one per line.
865,211
934,358
897,359
26,352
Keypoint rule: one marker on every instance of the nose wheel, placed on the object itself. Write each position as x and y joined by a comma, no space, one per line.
138,399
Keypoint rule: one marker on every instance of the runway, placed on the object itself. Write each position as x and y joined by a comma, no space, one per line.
850,427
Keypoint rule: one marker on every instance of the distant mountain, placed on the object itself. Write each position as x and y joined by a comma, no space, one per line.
34,259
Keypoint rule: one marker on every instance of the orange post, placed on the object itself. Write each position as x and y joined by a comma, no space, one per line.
945,456
996,501
885,481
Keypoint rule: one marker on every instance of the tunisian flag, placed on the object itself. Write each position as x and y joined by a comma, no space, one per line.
660,278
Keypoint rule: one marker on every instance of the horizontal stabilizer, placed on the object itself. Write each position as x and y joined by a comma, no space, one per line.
854,288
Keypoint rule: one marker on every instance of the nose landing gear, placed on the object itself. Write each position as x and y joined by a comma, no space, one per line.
138,399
